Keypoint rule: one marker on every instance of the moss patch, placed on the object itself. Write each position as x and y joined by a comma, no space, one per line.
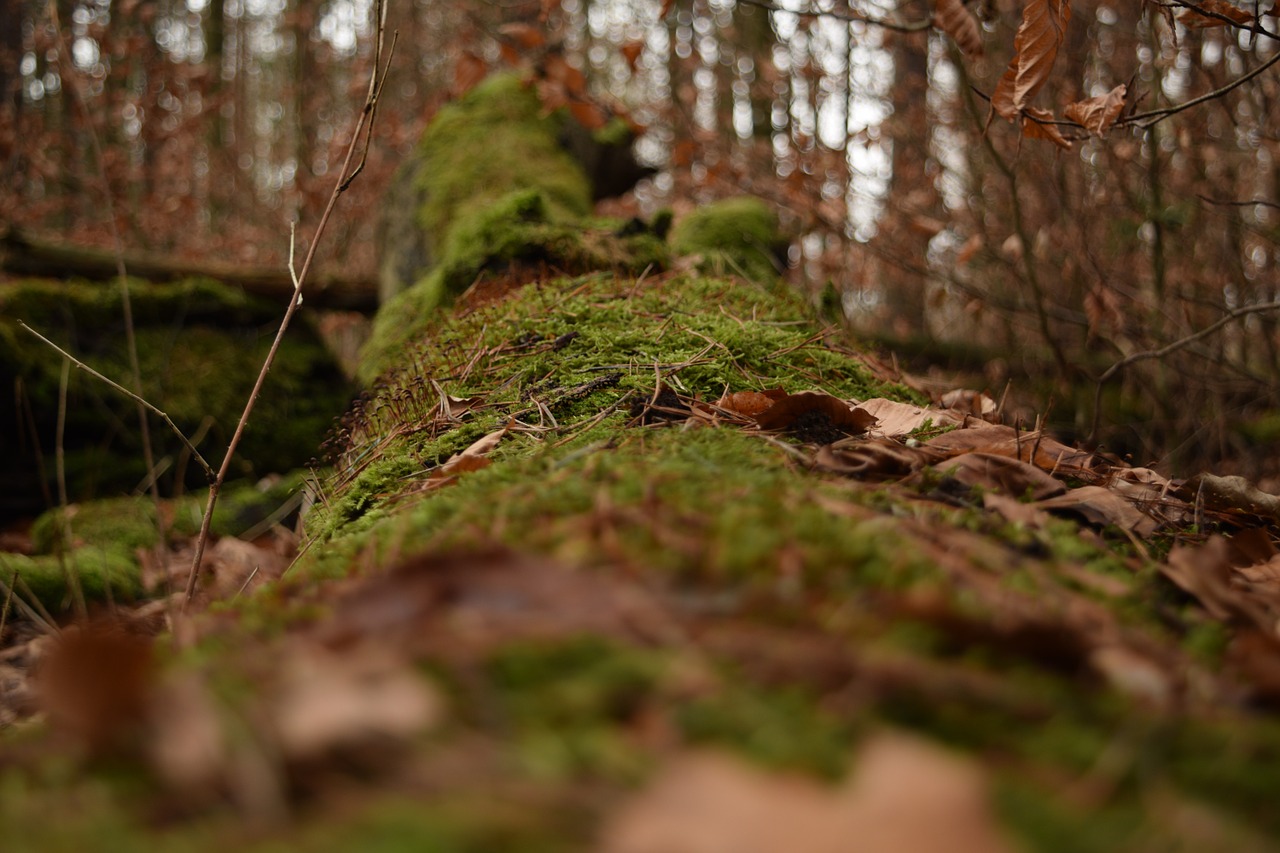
200,346
736,236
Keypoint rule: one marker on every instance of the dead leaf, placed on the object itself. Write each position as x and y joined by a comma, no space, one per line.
1195,19
526,36
1205,572
894,419
457,605
816,418
327,702
94,682
906,794
873,458
631,52
1099,113
588,115
750,403
1038,123
1003,473
976,403
558,70
1040,35
969,249
955,20
468,71
1102,507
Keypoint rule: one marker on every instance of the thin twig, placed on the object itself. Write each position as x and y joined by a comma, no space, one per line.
80,365
299,279
1187,340
69,569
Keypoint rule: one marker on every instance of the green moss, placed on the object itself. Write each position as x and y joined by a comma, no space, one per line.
104,574
493,141
200,346
569,704
736,236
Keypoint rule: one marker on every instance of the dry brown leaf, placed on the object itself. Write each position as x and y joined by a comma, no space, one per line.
955,20
1039,124
969,249
631,52
906,795
458,605
525,35
1003,473
94,682
588,115
1103,507
1051,455
468,71
1043,27
558,70
1205,572
815,417
751,403
1097,114
873,458
328,701
1218,11
898,419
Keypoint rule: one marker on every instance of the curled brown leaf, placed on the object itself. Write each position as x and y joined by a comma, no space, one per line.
1039,124
955,20
1044,25
1098,114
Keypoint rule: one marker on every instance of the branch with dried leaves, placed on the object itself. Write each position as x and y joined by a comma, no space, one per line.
364,125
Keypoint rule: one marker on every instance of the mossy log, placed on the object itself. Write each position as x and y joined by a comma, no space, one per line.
26,255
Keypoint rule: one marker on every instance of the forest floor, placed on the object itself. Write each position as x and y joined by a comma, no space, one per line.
664,565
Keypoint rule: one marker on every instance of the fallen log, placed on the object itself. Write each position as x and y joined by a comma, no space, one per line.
22,254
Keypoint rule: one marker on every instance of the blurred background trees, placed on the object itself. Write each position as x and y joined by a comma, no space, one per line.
948,236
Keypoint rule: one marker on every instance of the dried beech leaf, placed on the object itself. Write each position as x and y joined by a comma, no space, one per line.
969,249
1218,11
897,419
559,70
1004,474
1044,25
1098,114
1038,124
631,53
906,794
1102,507
816,418
955,20
588,115
525,35
751,403
468,71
